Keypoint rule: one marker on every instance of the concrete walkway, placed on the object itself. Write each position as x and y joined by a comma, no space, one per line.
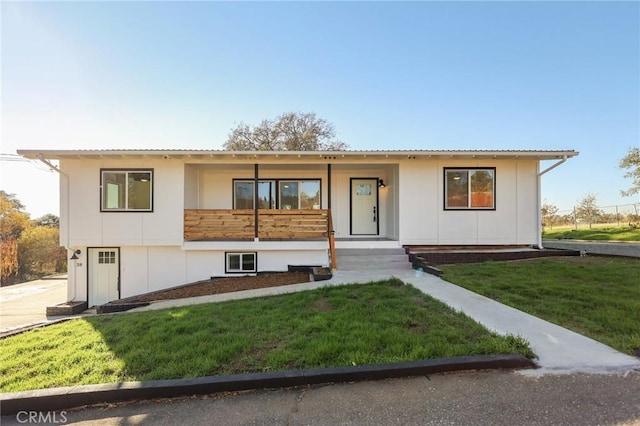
560,351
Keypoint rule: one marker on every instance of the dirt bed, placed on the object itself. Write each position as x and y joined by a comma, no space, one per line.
222,285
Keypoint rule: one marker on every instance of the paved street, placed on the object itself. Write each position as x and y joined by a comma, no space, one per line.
26,303
484,398
611,248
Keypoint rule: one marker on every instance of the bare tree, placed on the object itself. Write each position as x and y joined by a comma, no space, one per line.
292,131
587,209
549,212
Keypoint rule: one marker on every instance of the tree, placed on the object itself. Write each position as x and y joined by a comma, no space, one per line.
631,161
587,209
13,220
39,252
549,212
49,220
292,131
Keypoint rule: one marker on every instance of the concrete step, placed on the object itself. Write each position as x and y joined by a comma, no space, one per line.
375,267
372,259
373,251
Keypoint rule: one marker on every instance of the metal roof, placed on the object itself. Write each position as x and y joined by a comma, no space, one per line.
54,154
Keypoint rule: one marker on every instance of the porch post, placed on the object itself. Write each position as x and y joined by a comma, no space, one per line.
255,201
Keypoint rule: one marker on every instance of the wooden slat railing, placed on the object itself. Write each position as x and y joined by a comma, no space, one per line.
203,224
292,224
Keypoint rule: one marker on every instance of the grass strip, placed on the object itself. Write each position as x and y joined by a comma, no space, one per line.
595,296
597,233
379,322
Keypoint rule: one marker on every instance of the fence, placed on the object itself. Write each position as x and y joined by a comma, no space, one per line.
624,214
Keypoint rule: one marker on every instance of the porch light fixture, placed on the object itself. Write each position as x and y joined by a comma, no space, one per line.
75,255
381,183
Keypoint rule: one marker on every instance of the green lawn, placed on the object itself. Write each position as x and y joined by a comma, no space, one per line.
334,326
598,233
595,296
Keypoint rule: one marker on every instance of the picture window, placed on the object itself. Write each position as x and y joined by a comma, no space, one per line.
469,189
127,190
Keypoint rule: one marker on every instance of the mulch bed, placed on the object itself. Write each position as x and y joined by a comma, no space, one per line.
222,285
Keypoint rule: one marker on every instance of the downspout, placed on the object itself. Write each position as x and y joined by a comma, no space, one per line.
68,214
539,214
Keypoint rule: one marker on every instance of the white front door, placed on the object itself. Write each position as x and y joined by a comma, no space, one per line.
104,275
364,206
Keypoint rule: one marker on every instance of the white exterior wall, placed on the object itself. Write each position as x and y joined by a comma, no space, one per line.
146,269
88,226
423,220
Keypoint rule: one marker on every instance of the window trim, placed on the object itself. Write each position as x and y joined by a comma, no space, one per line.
227,268
469,207
277,189
126,171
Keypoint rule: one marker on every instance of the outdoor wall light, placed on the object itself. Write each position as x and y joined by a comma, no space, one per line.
381,183
75,254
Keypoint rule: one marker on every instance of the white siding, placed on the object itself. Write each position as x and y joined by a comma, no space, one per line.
423,219
77,276
279,260
418,202
202,265
147,269
167,267
134,277
88,226
527,202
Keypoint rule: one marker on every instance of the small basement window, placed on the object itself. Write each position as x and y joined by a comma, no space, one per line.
240,262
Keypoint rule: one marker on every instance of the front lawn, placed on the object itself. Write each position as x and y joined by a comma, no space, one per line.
380,322
595,296
597,233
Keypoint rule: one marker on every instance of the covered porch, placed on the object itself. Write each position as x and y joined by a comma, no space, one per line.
309,200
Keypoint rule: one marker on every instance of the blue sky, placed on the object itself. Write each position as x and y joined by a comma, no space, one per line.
388,75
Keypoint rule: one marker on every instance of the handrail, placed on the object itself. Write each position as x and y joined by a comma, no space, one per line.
332,241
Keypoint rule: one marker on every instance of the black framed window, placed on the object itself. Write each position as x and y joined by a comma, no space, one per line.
277,194
470,188
126,190
241,262
243,194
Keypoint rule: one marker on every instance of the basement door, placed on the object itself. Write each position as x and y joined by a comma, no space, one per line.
364,206
104,275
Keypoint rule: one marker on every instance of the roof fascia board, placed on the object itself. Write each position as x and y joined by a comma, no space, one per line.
320,155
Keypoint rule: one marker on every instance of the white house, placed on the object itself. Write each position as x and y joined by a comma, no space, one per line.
136,221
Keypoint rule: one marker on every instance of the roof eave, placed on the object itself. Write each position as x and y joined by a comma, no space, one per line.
406,154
